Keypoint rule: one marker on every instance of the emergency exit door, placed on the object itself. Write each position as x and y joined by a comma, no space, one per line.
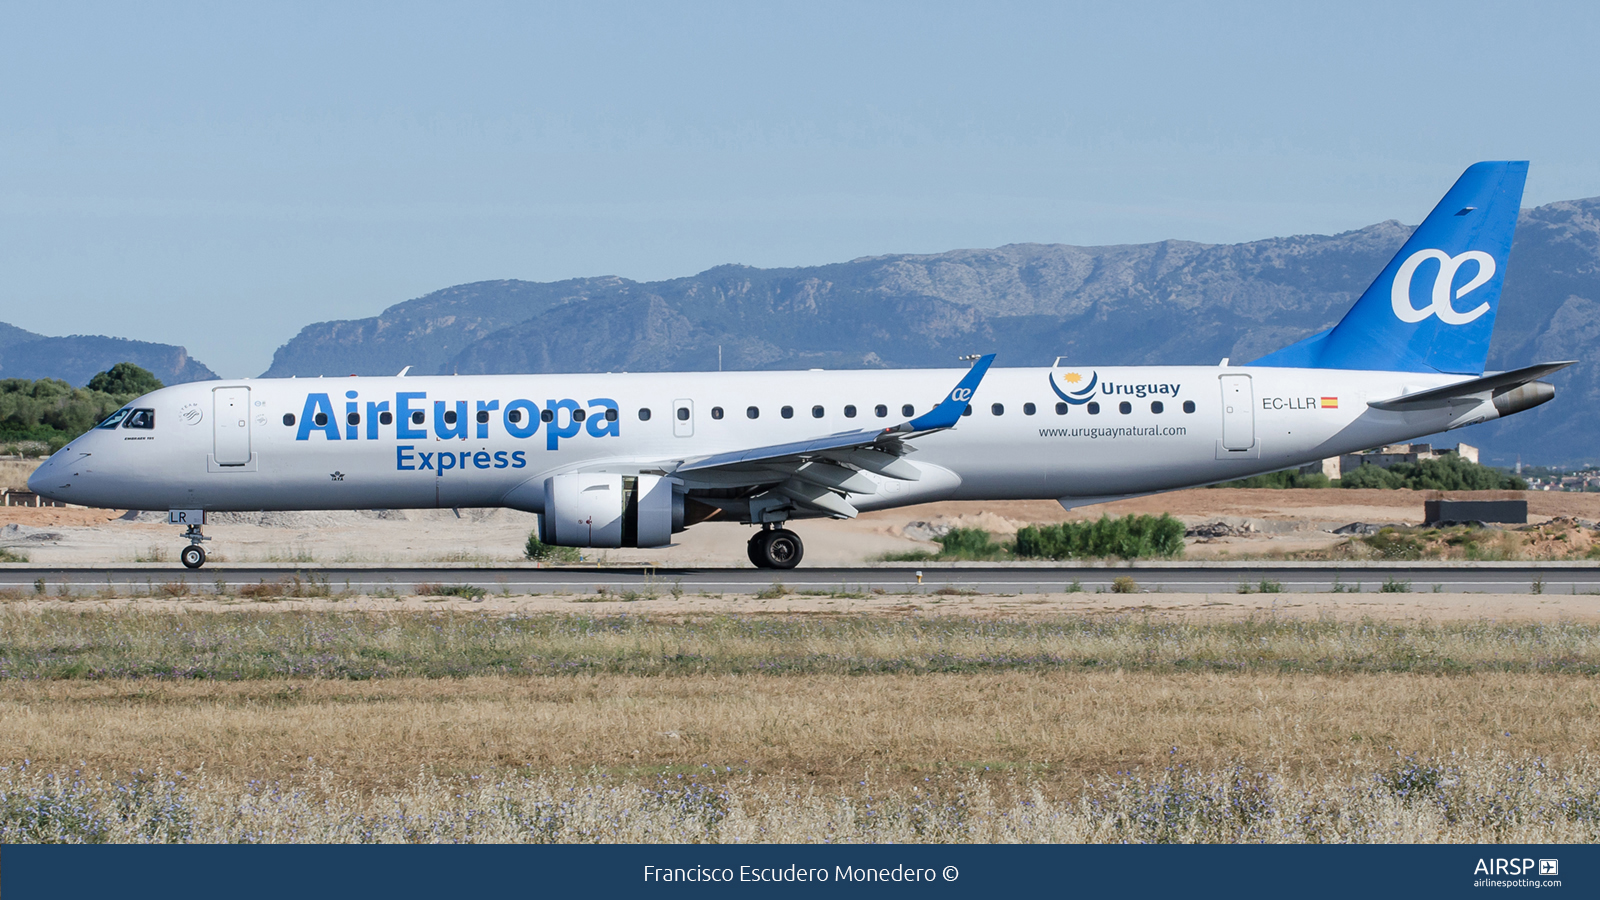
1238,413
230,425
683,418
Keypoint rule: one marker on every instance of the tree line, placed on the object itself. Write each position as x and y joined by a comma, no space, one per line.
53,412
1447,473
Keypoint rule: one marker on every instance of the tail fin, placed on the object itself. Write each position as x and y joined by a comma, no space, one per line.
1432,309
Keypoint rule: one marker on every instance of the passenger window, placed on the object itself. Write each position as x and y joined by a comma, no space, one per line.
320,418
288,419
449,417
483,417
1061,409
849,412
1094,408
752,413
816,412
683,414
716,412
644,414
998,409
1157,407
141,418
386,418
547,415
880,411
416,417
1188,406
513,416
787,412
967,411
579,415
112,420
1124,407
1029,409
611,414
908,410
352,418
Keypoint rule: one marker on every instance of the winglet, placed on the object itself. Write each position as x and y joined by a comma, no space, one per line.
948,412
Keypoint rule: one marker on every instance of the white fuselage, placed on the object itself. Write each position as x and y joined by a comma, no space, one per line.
224,445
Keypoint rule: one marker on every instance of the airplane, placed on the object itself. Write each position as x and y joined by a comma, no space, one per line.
629,460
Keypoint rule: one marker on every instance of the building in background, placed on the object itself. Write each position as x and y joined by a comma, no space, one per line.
1384,457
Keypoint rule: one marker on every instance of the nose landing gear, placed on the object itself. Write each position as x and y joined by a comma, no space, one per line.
194,555
776,548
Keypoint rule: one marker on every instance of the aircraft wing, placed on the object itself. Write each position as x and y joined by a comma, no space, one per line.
821,473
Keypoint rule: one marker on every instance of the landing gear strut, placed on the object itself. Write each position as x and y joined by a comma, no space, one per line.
194,555
776,548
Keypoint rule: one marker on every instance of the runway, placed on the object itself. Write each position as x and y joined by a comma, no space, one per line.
1228,577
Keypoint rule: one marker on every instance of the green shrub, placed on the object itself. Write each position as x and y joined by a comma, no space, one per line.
1389,543
1128,537
958,544
1448,473
539,550
968,543
1286,479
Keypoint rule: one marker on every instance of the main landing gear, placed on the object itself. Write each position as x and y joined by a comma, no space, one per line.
776,548
194,555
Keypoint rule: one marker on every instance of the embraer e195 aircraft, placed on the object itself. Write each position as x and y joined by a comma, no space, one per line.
629,460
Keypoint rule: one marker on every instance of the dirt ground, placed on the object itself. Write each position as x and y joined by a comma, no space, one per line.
1278,521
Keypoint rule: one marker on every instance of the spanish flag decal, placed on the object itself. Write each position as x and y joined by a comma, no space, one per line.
1330,402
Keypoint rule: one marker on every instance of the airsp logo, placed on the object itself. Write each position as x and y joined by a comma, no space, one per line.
1440,304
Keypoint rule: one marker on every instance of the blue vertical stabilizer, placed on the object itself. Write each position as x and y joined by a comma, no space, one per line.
1432,309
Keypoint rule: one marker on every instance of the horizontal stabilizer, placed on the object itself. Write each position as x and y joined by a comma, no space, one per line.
1495,385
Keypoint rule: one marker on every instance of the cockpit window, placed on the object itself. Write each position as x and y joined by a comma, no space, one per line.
112,420
140,418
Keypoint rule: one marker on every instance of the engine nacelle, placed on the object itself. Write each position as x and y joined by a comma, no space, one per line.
1523,396
596,509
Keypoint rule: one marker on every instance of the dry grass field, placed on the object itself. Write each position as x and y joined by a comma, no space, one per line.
14,473
298,725
1055,729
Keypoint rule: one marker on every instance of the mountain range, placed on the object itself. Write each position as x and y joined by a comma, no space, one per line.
1171,302
77,358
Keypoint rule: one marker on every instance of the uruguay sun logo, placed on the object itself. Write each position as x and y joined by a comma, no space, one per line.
1081,395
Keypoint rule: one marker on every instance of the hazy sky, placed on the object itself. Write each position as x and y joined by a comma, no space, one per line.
219,175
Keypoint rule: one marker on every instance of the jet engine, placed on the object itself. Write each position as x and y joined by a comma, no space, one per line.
584,509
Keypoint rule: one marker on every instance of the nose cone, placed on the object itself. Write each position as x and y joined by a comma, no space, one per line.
43,480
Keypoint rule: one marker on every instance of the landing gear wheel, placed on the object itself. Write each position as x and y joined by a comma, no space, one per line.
757,549
782,549
193,556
